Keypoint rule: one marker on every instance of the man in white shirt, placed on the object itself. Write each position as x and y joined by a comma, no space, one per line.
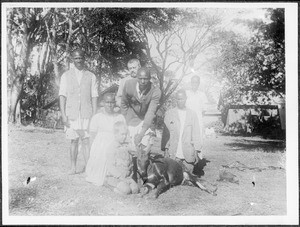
78,103
197,101
133,66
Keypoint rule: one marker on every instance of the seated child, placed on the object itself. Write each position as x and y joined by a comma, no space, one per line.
119,162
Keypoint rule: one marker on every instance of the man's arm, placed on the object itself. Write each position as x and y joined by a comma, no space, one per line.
165,140
169,118
124,101
94,105
196,133
151,110
94,94
63,99
120,93
204,102
62,105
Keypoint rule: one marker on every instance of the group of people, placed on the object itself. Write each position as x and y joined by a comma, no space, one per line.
114,136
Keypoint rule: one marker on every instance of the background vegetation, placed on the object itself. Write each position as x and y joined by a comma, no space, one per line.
174,42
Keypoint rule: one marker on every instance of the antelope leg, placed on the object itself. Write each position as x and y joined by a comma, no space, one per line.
146,189
205,189
162,187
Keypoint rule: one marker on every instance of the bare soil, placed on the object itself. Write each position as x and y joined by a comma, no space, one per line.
44,154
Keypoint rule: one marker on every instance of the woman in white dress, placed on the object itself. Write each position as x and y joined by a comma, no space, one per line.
102,125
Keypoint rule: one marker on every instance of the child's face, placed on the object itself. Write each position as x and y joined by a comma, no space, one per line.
122,135
109,104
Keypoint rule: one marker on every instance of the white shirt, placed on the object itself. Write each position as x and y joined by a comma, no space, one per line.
79,123
78,74
182,116
139,92
196,101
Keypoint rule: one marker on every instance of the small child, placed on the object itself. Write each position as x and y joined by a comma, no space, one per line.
119,162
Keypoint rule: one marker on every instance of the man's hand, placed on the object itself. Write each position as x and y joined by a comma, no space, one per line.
65,121
198,156
167,155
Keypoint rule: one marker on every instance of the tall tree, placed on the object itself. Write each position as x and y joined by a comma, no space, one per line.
254,69
23,32
180,45
110,36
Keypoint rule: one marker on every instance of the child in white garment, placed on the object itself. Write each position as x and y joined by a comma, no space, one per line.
119,162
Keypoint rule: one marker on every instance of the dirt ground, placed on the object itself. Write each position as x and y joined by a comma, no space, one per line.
44,154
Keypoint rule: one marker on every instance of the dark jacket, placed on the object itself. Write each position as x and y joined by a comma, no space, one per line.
137,109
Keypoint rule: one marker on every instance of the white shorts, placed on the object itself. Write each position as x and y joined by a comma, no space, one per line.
78,129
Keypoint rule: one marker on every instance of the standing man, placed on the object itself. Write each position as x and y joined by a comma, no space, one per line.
139,104
78,103
196,101
133,67
181,136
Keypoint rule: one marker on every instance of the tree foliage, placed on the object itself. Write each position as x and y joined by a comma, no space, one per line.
254,70
173,41
179,46
52,33
24,32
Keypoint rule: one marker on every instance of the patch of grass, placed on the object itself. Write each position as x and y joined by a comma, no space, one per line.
22,198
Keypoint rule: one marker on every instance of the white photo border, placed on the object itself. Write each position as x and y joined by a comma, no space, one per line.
291,40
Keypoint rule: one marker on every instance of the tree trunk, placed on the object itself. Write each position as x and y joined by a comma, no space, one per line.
52,36
56,70
19,77
15,109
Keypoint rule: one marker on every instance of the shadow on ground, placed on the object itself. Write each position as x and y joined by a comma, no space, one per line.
257,145
45,155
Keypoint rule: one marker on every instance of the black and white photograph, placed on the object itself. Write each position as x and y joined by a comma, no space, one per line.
150,113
